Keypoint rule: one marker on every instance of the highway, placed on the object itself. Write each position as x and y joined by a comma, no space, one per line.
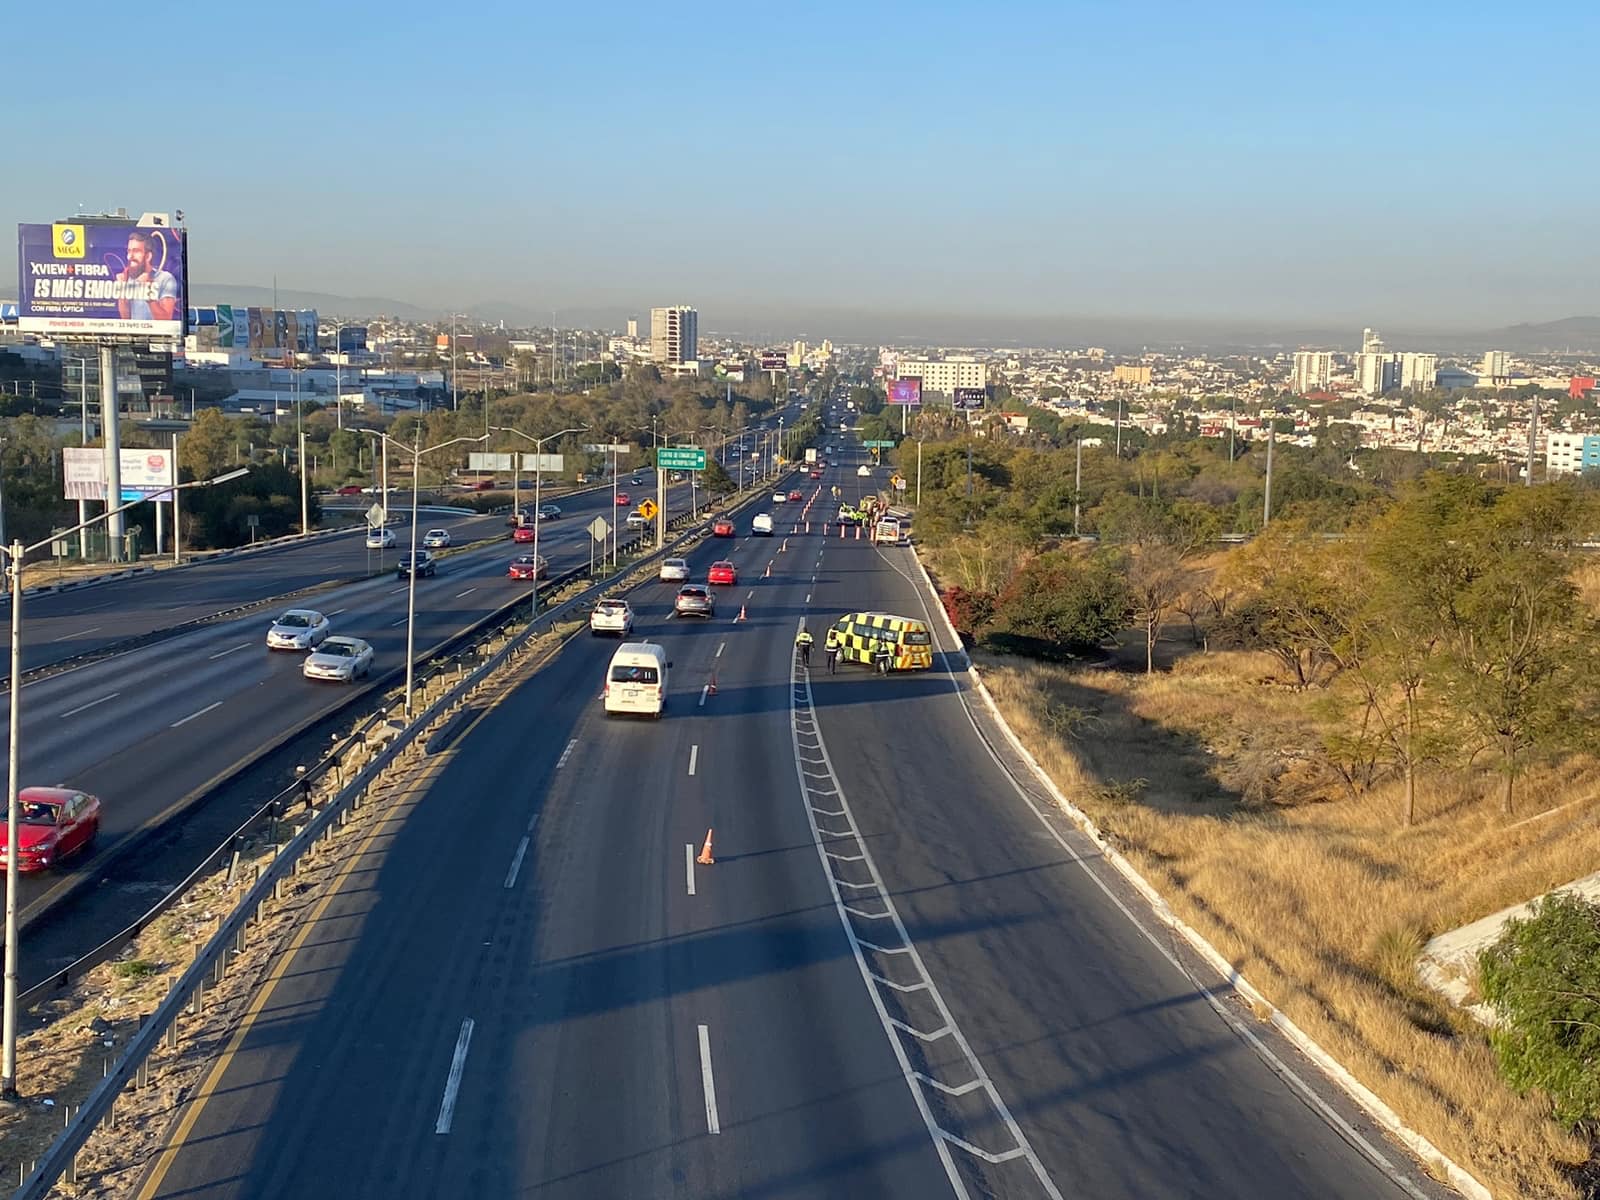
896,981
147,729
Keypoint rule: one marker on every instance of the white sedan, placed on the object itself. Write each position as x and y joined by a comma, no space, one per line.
780,497
675,570
436,539
863,470
380,539
297,629
342,659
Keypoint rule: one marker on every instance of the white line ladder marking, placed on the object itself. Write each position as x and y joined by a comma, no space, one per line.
713,1123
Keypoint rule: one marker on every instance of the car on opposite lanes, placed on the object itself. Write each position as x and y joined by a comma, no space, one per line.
52,822
426,566
522,533
549,512
342,659
297,629
637,520
522,514
674,570
528,566
694,600
380,539
623,500
436,539
349,489
611,615
722,527
723,571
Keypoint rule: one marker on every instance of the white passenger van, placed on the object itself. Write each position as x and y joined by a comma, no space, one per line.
636,680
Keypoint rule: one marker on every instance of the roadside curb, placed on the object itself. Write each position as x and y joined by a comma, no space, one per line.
1386,1117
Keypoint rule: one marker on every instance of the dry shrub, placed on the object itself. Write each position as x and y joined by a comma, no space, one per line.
1321,897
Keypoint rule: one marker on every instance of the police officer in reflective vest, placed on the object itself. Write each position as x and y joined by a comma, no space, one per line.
830,646
803,641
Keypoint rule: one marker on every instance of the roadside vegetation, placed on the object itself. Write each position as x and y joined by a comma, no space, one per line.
1365,724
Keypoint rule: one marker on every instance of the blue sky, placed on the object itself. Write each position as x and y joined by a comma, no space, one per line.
1419,163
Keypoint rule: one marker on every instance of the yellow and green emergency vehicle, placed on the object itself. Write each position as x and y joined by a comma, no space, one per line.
882,640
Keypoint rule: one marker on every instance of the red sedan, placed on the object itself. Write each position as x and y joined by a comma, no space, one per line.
722,528
722,572
53,823
816,474
528,566
795,497
622,499
522,533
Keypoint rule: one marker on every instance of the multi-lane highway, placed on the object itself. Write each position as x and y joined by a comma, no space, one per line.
897,980
149,729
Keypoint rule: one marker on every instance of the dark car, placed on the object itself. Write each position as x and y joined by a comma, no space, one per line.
425,565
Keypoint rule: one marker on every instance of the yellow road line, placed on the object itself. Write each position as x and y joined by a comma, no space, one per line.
169,1155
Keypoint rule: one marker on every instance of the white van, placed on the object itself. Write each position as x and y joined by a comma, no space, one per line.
636,680
761,526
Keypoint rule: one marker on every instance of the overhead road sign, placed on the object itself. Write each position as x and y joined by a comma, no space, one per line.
555,463
9,312
879,445
648,510
680,458
608,448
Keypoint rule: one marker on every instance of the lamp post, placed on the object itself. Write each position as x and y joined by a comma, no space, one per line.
416,450
14,566
538,472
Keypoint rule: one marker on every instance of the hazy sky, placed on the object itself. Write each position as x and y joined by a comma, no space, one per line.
1419,163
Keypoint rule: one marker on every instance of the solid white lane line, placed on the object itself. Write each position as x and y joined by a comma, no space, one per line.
468,592
694,757
532,821
712,1123
397,624
566,754
720,649
396,591
704,692
337,611
78,633
516,862
72,712
452,1084
193,715
688,865
231,650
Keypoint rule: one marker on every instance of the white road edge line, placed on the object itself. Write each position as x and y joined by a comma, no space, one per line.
193,715
452,1083
694,757
468,592
72,712
516,863
78,633
713,1124
397,624
566,754
231,650
688,864
336,612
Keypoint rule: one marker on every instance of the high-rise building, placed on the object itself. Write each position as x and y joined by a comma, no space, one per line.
797,354
944,376
1418,372
1313,370
633,328
1134,373
1377,372
1571,453
1496,365
674,335
1371,343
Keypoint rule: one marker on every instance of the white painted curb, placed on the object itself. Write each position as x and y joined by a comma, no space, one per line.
1369,1101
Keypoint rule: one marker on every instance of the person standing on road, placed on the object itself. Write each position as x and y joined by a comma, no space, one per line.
830,647
803,640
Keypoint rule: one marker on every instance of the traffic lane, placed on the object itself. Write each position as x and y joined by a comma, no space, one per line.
1085,1028
588,1079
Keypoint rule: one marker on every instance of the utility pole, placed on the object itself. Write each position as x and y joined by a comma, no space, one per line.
1232,403
1119,426
1533,439
1077,486
1266,508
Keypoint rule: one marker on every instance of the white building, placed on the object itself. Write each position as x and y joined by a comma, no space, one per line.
1496,365
1377,372
674,336
1313,370
1371,343
946,375
1571,453
1418,372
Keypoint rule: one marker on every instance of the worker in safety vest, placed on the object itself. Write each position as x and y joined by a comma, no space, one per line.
830,646
802,641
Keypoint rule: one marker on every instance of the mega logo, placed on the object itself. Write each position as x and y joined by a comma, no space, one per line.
67,241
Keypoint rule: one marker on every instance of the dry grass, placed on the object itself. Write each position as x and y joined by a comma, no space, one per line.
1321,899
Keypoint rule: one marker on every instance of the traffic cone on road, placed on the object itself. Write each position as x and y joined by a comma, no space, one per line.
705,859
711,688
740,617
767,574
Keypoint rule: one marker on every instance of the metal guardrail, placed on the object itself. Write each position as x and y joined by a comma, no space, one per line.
212,960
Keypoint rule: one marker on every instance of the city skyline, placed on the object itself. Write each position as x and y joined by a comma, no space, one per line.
1232,166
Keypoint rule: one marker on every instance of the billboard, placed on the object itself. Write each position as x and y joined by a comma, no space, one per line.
154,368
905,391
146,474
969,398
775,360
101,277
352,338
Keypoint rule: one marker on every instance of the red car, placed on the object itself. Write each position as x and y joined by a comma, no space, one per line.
795,497
722,572
53,823
816,474
528,566
522,533
622,499
350,489
723,528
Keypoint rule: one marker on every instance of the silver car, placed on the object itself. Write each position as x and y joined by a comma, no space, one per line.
380,539
342,659
694,601
436,539
297,629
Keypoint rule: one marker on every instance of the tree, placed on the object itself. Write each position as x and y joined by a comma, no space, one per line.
1543,978
1067,601
714,479
206,451
1157,578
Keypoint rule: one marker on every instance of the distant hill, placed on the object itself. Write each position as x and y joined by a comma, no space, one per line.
206,294
1551,337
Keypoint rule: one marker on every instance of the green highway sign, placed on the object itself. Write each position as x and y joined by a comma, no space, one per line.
879,445
680,458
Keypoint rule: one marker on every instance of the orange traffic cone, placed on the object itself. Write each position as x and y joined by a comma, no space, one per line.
711,688
740,617
705,859
767,574
784,547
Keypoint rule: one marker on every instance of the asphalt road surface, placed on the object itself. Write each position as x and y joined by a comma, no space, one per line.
524,986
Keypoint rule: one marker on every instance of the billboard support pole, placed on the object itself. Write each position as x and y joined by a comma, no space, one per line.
113,448
161,531
177,535
83,416
305,490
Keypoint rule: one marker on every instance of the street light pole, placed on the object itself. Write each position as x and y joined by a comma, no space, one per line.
17,554
538,475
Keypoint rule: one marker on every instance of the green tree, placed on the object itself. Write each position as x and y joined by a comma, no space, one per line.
1543,979
207,450
1064,600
